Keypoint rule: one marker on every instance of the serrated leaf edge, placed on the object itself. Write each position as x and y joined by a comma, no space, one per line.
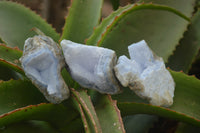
33,12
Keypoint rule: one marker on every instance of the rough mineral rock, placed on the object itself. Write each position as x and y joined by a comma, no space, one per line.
42,62
91,67
146,75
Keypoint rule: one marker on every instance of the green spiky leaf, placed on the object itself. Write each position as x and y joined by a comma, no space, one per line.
17,23
10,57
144,21
6,73
83,16
189,46
109,115
186,102
18,93
55,114
87,111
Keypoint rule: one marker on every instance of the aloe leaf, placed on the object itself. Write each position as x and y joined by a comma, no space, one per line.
83,16
67,77
99,30
29,127
56,114
18,93
86,122
6,73
145,21
10,57
17,23
87,111
187,50
139,108
19,101
110,21
186,90
11,66
186,102
10,54
109,115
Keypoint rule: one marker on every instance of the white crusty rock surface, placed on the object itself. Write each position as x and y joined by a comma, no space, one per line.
146,75
42,62
92,67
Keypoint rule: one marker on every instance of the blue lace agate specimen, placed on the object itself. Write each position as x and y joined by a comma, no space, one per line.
146,75
92,67
42,62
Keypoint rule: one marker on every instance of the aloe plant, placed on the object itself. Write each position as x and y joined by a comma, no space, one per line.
172,30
